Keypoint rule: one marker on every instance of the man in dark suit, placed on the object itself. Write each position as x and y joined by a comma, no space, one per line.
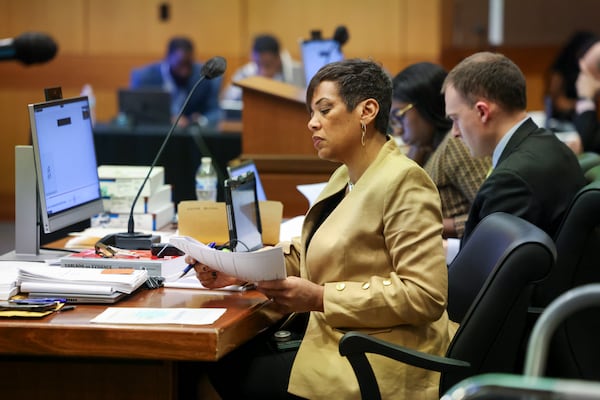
177,74
534,174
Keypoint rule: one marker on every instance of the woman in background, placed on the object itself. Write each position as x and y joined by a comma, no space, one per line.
561,93
370,258
418,115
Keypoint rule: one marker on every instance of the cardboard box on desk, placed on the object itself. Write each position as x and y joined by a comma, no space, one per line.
206,221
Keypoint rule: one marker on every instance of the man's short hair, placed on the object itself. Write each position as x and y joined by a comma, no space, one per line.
180,43
266,44
491,76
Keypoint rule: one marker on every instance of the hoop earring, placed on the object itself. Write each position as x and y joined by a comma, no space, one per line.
363,130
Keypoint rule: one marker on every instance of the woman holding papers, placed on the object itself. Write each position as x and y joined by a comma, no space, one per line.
370,257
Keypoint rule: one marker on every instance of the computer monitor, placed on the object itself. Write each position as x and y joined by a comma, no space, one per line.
145,106
244,167
318,52
57,181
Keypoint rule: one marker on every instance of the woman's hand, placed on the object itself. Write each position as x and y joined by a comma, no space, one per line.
293,294
209,278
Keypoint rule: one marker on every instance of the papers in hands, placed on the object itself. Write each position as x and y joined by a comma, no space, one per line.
261,265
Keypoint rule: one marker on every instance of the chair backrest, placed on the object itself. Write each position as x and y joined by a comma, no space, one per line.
593,174
497,239
491,333
575,351
588,160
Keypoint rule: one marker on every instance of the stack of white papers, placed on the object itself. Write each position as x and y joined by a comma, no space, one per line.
80,280
9,281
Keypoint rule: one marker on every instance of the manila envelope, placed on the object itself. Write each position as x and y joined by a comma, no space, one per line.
206,221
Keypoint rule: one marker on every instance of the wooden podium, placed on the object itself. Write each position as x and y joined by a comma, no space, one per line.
276,136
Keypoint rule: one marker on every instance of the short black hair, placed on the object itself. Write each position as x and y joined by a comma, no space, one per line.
357,80
420,84
266,44
180,43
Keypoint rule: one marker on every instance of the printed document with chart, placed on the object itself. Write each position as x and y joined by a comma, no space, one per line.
253,266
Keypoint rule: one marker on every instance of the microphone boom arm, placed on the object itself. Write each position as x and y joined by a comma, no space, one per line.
130,223
137,240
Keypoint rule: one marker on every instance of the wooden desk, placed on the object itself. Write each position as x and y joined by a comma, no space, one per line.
65,356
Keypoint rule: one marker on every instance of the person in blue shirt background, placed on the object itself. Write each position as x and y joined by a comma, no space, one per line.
177,74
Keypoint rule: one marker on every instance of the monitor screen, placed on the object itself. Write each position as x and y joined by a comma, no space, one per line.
65,162
317,53
248,166
243,215
145,106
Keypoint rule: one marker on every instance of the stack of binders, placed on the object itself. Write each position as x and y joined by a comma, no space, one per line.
120,183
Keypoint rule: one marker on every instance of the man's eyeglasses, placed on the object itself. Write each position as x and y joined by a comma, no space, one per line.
398,115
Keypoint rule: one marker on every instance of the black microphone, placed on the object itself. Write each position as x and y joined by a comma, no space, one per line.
131,240
29,48
341,35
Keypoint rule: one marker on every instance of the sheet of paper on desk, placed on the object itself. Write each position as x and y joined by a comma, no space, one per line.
261,265
191,282
142,315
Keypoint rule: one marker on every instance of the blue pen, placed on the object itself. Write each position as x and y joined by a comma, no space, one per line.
189,267
41,300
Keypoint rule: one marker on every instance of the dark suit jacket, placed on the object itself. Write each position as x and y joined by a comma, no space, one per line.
536,178
205,99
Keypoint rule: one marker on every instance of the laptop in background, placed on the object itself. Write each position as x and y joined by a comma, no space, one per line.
145,106
244,167
318,52
243,213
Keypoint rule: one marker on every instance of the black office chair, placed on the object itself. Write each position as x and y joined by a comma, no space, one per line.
575,351
490,336
593,174
498,240
588,160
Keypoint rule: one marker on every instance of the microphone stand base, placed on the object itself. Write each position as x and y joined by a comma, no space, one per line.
135,241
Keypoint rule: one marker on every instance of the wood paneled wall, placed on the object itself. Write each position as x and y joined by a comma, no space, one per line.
100,41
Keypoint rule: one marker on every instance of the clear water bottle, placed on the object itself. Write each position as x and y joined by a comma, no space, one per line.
206,181
89,92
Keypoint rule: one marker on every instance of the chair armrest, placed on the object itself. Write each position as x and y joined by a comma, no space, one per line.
354,345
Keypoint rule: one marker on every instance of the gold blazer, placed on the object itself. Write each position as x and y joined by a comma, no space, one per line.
379,256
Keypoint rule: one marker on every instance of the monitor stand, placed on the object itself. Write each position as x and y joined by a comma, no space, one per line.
27,212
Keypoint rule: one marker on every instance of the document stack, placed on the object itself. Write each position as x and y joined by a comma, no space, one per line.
88,285
9,281
120,184
128,259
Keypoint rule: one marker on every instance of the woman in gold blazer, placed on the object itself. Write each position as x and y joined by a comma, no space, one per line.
370,257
